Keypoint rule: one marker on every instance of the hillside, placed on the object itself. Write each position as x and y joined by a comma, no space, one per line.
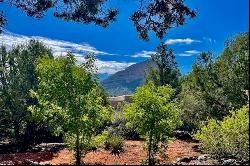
126,81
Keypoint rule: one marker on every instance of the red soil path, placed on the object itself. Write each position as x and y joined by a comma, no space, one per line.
133,154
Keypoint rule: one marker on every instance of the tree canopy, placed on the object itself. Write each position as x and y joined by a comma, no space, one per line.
17,77
152,15
69,101
154,115
213,88
167,72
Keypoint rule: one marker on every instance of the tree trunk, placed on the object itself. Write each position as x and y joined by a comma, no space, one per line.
78,153
162,76
17,133
149,150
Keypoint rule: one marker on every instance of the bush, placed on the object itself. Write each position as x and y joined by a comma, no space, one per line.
228,138
115,144
119,127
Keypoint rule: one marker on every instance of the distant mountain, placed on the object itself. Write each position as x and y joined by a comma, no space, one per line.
126,81
103,76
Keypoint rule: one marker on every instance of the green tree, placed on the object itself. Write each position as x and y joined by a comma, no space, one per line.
18,76
152,75
232,69
69,101
214,87
3,92
192,105
154,115
167,72
203,94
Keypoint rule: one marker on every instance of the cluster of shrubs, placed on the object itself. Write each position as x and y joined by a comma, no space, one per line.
118,126
115,144
117,132
229,137
112,134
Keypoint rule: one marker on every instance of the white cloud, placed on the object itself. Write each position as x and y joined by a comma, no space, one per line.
183,54
189,53
144,54
57,46
192,52
210,40
182,41
60,47
109,67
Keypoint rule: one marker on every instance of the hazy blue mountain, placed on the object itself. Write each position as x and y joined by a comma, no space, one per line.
126,81
103,76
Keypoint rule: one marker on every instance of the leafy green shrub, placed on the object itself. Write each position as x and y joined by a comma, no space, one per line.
227,138
115,144
100,139
97,141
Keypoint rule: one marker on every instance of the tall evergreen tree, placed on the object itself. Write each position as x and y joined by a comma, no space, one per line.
18,77
167,71
214,87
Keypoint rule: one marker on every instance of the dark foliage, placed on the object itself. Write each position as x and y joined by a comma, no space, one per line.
17,78
214,87
2,21
119,128
153,15
167,66
84,11
166,71
159,16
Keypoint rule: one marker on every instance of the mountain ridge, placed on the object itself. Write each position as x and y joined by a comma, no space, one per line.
126,81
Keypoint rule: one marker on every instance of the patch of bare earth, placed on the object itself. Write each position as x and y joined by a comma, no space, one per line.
63,157
180,149
24,158
133,154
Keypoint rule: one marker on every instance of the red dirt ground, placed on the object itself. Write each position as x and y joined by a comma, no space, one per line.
133,155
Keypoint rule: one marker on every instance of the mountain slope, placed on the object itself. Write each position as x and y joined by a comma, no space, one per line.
126,81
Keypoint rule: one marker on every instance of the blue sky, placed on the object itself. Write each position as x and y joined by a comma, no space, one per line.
217,20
